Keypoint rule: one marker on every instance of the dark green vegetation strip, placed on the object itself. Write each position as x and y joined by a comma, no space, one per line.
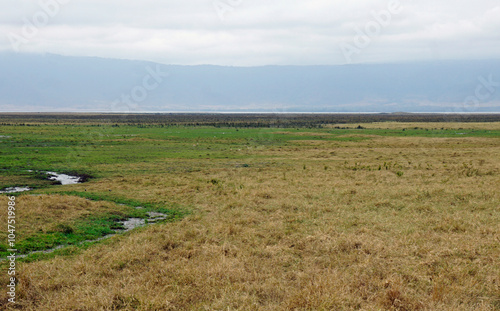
257,120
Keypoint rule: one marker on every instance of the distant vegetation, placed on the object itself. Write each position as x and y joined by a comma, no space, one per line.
236,120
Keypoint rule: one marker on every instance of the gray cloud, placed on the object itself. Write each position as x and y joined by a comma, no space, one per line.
256,32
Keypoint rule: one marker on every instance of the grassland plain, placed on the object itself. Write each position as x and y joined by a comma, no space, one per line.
390,216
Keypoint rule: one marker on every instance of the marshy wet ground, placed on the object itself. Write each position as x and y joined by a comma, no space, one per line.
128,225
62,179
124,225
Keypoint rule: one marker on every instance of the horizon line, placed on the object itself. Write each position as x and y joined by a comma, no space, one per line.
240,112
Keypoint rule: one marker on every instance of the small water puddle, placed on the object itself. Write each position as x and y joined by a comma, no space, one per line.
62,178
153,217
133,223
15,189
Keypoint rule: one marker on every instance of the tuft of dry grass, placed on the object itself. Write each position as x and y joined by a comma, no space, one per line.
284,233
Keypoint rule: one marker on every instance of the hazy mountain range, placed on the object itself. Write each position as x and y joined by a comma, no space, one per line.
34,82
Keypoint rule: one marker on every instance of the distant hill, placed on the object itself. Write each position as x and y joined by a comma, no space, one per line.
32,82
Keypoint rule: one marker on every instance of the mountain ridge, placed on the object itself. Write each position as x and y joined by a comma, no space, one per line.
50,82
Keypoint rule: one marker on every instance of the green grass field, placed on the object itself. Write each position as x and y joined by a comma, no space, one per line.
369,216
76,149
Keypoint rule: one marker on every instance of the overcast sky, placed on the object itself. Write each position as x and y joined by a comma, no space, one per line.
255,32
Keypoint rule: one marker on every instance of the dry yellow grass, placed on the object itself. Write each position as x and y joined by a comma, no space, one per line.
425,125
311,226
